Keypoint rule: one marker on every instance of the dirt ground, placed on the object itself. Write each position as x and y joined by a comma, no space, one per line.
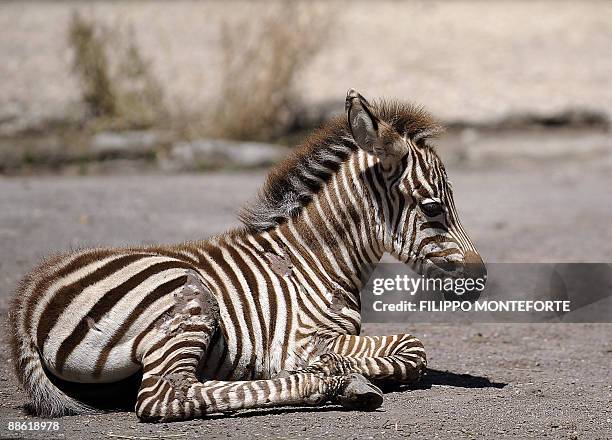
486,380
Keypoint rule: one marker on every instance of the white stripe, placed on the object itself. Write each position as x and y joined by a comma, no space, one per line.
85,300
71,278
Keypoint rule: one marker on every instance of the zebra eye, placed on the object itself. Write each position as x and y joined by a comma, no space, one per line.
431,208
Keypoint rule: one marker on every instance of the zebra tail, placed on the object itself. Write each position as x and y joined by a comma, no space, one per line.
46,399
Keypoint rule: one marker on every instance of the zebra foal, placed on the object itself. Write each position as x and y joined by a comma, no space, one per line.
264,315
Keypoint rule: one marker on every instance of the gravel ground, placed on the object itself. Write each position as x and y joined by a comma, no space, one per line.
487,380
464,60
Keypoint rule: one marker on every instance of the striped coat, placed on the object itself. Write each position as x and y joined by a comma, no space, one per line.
267,314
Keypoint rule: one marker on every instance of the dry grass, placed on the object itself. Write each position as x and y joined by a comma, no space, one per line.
261,62
90,64
119,91
260,65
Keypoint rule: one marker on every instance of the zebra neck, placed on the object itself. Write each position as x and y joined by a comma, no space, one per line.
334,237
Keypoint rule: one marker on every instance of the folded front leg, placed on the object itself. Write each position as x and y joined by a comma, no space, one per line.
399,358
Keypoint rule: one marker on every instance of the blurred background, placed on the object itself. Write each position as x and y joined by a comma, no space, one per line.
76,76
148,121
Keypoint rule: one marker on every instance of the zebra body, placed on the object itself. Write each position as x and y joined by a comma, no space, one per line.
268,314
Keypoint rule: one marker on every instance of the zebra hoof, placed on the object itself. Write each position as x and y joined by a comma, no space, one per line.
360,394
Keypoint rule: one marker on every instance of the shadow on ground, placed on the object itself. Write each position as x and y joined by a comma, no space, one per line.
443,378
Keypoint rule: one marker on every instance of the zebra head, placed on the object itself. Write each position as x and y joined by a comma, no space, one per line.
417,219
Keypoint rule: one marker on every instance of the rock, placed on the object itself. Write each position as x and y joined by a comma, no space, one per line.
209,153
480,148
126,143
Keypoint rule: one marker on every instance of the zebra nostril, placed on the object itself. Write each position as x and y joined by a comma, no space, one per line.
451,266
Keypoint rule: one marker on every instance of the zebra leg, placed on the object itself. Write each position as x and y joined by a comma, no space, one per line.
399,358
181,340
182,397
300,389
170,389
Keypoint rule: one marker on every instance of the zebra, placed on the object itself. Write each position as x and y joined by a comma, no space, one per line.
266,314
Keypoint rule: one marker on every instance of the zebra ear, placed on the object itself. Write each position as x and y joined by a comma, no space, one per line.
363,124
371,134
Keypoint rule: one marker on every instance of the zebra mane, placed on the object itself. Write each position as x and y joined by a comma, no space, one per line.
293,182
